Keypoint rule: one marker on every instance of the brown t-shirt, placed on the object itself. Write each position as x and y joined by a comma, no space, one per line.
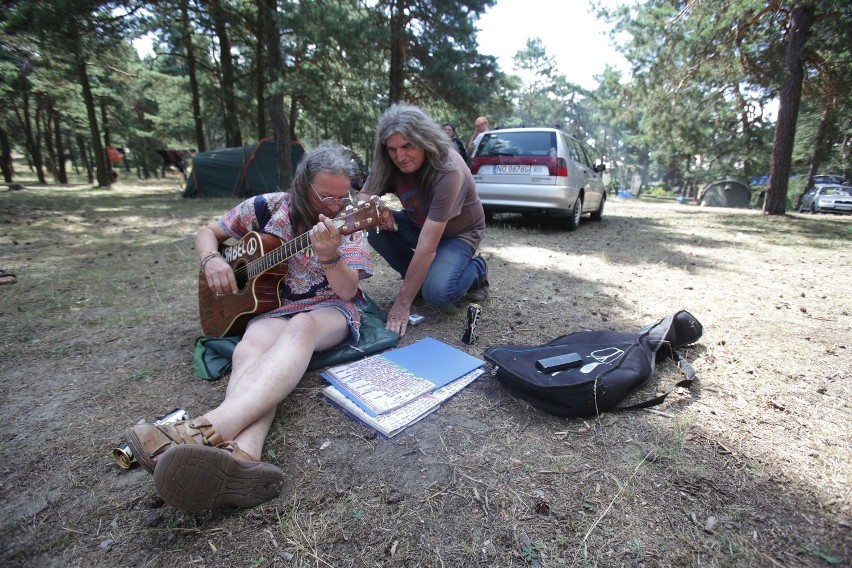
454,199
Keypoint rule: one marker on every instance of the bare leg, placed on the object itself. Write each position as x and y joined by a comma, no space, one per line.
267,365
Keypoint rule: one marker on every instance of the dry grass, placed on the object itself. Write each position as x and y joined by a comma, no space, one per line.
750,468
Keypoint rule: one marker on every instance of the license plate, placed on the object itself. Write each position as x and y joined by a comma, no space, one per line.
511,169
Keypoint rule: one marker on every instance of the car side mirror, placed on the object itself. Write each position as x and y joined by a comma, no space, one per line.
599,168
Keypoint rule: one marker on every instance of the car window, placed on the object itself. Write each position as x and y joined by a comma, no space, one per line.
588,155
573,152
834,190
532,143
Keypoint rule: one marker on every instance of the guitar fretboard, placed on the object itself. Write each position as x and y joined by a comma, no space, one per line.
260,265
279,255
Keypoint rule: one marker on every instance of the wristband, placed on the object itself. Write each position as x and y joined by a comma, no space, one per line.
208,258
330,262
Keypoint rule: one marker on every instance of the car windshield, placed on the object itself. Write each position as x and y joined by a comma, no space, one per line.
824,179
837,191
531,143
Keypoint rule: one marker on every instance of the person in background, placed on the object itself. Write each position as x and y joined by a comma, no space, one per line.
451,132
432,241
214,460
479,128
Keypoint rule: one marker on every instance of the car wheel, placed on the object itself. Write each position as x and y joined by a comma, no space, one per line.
598,215
489,216
813,208
576,213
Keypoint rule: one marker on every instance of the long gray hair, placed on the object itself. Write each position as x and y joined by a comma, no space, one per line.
422,132
329,158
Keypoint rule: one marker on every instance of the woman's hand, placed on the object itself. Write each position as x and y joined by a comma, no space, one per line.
216,270
220,276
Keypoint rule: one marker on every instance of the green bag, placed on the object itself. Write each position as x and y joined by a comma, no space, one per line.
212,357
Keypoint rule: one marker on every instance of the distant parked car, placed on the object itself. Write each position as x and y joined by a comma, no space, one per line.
827,199
537,171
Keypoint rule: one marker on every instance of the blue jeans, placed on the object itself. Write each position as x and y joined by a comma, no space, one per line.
453,271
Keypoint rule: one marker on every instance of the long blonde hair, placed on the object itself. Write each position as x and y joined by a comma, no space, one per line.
422,132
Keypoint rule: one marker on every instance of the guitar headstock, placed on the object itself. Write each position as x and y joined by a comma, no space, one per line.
359,217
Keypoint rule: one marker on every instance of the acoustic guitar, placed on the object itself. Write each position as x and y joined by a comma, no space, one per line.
259,261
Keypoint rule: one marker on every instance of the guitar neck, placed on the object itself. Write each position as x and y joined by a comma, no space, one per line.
277,256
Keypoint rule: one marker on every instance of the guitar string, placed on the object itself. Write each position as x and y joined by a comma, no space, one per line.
260,265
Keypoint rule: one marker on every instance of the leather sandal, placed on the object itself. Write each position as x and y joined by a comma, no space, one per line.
198,478
149,442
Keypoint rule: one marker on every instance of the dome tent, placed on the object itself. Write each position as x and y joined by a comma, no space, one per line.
726,193
242,171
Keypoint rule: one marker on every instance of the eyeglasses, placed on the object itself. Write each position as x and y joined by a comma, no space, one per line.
341,201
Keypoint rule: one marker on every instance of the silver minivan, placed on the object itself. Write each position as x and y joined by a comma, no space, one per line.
537,171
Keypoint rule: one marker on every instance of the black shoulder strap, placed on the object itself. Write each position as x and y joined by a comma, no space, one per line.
261,211
689,377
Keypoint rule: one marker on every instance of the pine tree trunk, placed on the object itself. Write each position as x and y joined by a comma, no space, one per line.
193,79
397,52
260,75
280,124
826,120
33,149
61,170
101,167
48,140
84,156
233,137
5,156
788,111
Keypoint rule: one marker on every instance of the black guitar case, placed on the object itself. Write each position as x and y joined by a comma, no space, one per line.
611,364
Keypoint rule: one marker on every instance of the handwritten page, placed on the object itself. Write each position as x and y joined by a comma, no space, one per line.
380,384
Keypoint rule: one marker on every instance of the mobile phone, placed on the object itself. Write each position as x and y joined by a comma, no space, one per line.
414,319
559,362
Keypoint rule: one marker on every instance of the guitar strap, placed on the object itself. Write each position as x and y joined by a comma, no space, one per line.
261,212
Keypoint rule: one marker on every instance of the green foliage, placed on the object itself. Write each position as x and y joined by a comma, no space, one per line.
547,98
697,107
660,191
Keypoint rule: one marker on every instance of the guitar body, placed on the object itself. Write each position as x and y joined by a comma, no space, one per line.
229,314
259,261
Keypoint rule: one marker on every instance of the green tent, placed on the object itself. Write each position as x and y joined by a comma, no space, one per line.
237,172
726,193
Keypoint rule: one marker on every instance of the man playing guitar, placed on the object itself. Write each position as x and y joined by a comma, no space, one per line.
214,459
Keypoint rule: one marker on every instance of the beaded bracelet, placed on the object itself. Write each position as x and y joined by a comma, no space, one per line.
208,258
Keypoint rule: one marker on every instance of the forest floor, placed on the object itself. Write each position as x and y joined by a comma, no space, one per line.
750,467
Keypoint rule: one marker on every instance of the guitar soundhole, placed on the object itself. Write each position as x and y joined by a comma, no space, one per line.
241,274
